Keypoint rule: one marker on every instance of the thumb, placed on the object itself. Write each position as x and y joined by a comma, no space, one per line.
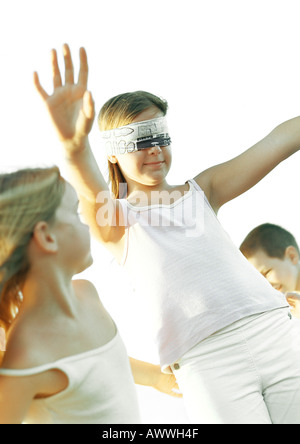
88,105
86,115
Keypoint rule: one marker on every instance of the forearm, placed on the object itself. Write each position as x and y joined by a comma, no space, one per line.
226,181
277,146
84,173
285,138
144,373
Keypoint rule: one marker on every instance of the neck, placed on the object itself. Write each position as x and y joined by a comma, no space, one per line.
51,291
137,187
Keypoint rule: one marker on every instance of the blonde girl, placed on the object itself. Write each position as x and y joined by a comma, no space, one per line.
65,362
219,326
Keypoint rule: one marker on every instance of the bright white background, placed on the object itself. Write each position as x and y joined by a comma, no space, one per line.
230,71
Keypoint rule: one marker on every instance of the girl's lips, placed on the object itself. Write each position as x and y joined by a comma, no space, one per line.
155,163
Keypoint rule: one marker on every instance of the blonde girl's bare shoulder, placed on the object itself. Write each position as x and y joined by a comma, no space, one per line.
85,288
27,334
88,298
21,351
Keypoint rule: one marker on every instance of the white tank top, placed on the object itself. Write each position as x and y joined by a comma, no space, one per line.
192,279
101,389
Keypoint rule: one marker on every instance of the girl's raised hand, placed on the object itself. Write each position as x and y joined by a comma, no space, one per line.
71,106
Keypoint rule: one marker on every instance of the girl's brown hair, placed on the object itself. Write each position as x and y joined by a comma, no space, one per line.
122,110
27,197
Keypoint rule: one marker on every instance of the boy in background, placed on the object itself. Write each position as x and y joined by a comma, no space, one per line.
274,252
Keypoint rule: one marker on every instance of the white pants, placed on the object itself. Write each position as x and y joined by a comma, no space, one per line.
247,373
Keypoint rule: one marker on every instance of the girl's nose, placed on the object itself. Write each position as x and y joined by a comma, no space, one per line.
154,150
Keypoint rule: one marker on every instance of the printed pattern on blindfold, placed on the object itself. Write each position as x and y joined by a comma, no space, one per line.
136,136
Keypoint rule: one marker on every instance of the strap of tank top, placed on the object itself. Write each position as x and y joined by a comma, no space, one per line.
195,185
198,188
60,363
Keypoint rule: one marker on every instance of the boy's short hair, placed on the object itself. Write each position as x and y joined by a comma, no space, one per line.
272,239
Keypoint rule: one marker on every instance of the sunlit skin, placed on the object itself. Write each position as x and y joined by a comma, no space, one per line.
57,258
146,170
283,274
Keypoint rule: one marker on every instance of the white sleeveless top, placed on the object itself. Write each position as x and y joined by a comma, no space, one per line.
101,389
192,279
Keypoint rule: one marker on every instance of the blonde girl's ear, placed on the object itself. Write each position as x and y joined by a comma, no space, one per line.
112,159
45,238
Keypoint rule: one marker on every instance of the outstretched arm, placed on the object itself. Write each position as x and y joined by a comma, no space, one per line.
71,110
228,180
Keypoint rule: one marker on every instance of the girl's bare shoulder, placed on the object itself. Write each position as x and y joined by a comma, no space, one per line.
83,285
21,347
85,289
